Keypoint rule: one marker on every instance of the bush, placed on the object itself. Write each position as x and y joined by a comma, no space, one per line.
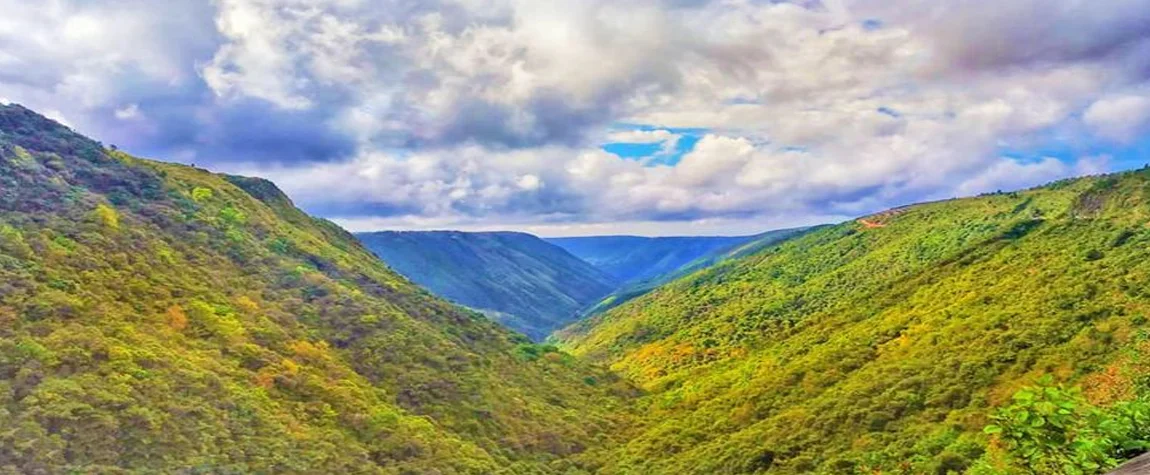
200,194
1050,429
108,216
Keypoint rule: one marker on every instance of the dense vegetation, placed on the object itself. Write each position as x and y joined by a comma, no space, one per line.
515,278
157,318
632,259
741,247
160,318
1000,334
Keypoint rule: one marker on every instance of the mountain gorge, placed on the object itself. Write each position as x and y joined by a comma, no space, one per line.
160,318
518,279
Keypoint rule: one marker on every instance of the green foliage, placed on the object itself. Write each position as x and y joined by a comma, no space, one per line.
232,216
651,261
12,242
237,334
231,333
1051,429
883,348
532,352
201,194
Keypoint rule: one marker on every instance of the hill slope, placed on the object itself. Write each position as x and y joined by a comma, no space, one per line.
740,248
885,345
161,318
522,281
634,259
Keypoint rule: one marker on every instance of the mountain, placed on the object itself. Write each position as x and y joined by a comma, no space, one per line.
633,258
740,247
518,279
158,318
1005,333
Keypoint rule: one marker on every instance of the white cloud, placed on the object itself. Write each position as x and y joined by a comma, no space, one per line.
129,112
642,136
529,182
478,111
702,227
58,117
667,140
1120,118
1013,175
86,58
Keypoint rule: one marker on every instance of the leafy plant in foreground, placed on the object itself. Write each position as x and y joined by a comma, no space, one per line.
1049,428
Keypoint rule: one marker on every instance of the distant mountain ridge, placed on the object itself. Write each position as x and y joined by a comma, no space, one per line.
515,278
739,247
637,258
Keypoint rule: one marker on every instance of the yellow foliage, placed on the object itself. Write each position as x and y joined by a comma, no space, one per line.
177,319
121,156
247,305
307,350
119,353
108,216
23,154
201,194
166,256
290,367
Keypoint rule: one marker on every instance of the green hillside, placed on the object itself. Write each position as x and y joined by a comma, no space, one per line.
156,318
929,339
160,318
516,278
739,248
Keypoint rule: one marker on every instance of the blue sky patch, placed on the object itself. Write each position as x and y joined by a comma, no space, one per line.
1122,157
651,153
633,150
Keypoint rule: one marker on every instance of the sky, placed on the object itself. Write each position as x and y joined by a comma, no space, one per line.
581,117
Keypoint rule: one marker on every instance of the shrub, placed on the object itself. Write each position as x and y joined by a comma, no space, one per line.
201,194
1051,429
108,216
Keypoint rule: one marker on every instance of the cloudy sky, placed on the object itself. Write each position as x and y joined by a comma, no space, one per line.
567,117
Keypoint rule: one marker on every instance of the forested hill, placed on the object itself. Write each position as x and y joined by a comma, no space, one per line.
1005,333
516,278
160,318
739,248
632,259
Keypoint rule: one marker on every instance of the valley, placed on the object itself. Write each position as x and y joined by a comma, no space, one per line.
519,280
537,286
209,324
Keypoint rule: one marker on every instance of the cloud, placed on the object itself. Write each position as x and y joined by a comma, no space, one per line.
492,112
1120,118
1012,175
668,141
129,112
988,34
